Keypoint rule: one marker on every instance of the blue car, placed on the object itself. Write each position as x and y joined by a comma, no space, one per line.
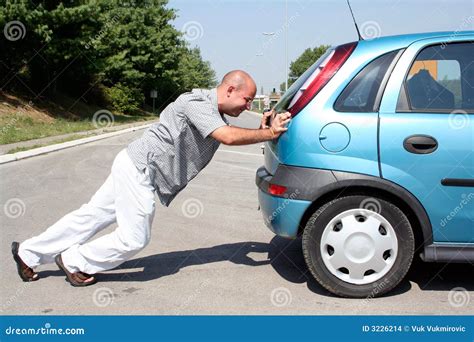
377,164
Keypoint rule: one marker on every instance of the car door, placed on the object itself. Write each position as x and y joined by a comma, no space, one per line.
426,134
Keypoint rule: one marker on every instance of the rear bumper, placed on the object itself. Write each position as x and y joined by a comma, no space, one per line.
282,215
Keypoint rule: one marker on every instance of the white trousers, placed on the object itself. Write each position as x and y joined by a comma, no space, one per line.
127,197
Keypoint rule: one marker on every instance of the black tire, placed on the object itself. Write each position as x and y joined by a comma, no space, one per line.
312,239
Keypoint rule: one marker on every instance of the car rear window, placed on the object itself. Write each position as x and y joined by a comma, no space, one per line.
285,101
363,92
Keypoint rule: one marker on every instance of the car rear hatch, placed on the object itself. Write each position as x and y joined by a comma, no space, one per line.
305,88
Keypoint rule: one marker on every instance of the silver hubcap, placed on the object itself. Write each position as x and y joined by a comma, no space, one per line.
359,246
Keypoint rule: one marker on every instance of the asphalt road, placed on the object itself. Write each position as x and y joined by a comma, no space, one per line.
210,251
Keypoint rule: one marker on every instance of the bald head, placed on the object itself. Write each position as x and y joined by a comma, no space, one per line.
238,79
235,93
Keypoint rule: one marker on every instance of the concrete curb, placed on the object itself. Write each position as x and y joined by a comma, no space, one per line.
7,158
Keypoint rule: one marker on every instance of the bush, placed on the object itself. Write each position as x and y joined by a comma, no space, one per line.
124,99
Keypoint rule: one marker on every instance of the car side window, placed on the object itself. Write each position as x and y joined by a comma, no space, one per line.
441,79
362,94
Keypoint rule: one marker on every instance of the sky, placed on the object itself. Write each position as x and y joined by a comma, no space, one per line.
230,33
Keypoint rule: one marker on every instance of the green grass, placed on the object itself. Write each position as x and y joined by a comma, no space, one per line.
16,128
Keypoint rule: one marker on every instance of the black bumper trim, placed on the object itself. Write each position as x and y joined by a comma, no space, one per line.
460,253
302,183
310,184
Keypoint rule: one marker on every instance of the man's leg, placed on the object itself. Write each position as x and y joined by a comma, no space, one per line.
76,227
135,207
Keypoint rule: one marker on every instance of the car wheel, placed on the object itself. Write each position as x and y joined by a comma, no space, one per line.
358,246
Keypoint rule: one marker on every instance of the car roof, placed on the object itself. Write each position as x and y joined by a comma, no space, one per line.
388,43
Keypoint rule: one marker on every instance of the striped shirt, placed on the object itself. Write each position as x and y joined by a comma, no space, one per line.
179,146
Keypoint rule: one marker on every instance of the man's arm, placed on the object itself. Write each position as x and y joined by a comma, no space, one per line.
230,135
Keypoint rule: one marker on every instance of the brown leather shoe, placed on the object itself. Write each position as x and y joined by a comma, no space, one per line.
76,278
25,272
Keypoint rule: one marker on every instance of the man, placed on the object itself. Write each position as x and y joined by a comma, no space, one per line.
163,161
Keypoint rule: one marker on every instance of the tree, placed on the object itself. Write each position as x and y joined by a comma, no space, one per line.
194,72
139,50
43,46
304,61
283,86
107,50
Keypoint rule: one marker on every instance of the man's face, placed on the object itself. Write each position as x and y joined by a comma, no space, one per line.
239,99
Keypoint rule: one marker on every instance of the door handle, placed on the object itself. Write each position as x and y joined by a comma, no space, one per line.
420,144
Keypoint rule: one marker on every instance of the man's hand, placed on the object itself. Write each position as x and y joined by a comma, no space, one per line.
266,119
242,136
279,124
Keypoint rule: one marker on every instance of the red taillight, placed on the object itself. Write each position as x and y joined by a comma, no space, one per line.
324,73
276,190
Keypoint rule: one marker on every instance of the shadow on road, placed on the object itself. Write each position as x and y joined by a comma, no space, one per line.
286,258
